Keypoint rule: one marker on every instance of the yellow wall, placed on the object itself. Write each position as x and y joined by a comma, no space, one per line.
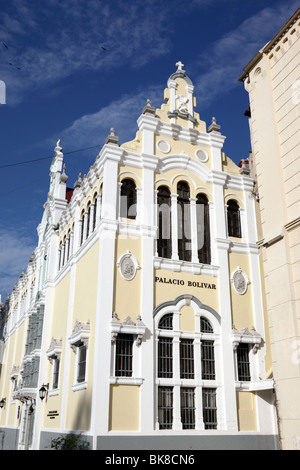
84,310
165,291
85,289
127,298
242,306
60,307
187,319
13,355
246,404
124,413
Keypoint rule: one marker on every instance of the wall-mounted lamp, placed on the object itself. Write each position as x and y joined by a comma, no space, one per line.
43,391
2,402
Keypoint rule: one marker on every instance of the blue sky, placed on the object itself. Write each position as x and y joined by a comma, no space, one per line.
61,83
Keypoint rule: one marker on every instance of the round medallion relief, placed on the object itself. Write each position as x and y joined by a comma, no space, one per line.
201,155
240,281
128,266
163,146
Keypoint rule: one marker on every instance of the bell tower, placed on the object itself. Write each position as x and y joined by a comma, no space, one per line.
181,99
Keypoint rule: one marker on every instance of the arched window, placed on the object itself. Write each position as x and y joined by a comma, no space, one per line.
128,199
81,221
190,359
184,225
88,220
164,241
203,230
166,322
205,326
207,350
165,348
233,219
95,212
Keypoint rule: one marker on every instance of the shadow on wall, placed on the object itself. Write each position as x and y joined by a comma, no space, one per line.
76,426
82,416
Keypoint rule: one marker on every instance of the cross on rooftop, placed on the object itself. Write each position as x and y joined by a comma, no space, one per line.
179,65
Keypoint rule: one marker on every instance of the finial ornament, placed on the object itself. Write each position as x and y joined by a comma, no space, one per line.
77,183
112,138
179,65
63,176
148,109
214,127
58,147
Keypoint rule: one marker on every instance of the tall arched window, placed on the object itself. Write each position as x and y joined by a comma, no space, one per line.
184,225
88,221
187,367
95,212
164,241
128,199
233,219
81,222
203,230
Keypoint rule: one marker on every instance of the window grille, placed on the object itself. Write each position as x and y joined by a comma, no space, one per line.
81,228
165,407
203,229
81,362
166,322
233,219
186,359
55,372
184,225
209,408
205,326
124,344
187,400
128,199
165,357
164,242
208,360
95,214
243,362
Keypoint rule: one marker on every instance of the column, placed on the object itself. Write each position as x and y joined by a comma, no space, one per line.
85,226
105,291
98,211
92,209
194,232
222,245
148,224
174,217
211,206
177,425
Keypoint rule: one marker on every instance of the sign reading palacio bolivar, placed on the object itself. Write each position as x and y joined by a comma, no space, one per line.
181,282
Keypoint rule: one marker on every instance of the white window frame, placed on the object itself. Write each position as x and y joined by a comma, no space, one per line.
80,334
54,354
197,383
137,329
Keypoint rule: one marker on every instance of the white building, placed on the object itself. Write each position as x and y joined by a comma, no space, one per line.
144,321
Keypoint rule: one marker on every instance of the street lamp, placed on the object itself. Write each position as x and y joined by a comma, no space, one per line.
2,402
43,391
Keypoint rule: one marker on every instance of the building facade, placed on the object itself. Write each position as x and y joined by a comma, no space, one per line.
272,79
141,315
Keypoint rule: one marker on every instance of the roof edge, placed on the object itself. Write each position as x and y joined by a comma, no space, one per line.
270,44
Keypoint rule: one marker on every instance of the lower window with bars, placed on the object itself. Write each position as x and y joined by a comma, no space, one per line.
187,408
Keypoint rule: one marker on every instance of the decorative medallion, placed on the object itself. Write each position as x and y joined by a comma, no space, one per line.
163,146
240,281
128,266
201,155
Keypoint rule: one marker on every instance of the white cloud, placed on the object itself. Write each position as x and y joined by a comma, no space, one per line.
66,37
121,114
223,62
15,251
